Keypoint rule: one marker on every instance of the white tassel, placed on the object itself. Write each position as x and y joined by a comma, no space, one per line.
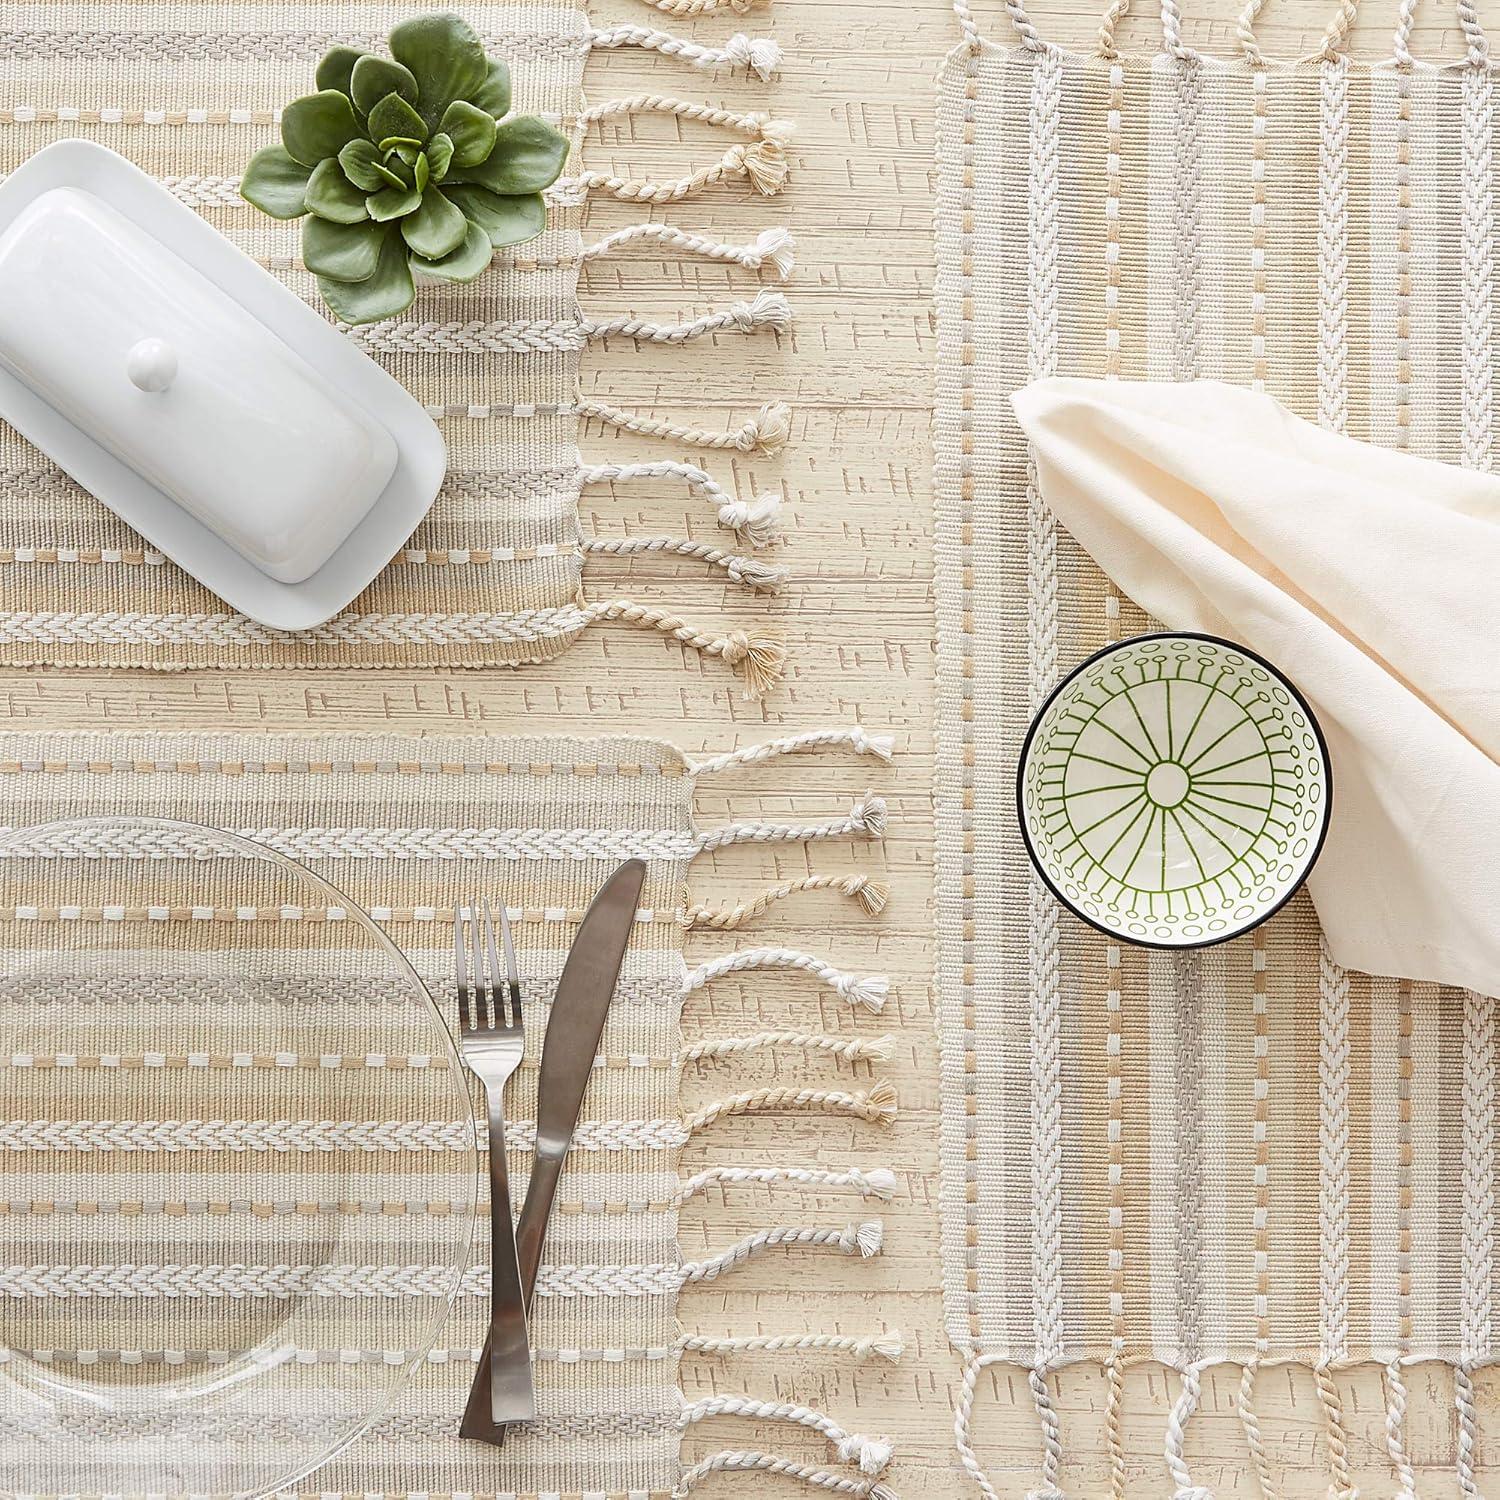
767,309
775,247
755,519
855,738
875,1182
867,990
760,55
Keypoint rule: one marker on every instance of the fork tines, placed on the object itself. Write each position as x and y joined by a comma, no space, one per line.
481,1001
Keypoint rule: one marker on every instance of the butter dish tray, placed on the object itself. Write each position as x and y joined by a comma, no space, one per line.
192,394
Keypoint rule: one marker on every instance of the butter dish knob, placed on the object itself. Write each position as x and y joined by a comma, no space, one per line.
151,365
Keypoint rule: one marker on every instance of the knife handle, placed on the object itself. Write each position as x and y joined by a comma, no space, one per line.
531,1225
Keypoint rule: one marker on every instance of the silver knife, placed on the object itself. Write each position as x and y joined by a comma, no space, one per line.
574,1028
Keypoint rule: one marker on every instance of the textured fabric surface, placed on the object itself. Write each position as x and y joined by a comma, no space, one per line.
406,828
1243,1153
189,92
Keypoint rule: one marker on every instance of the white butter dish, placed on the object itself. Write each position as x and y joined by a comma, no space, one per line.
198,398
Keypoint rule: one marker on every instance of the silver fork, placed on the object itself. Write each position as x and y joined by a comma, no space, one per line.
492,1042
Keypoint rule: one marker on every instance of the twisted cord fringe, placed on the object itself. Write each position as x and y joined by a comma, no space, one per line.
881,746
746,1461
863,1240
1244,30
867,990
1177,1419
866,817
1395,1431
749,571
1401,43
963,1423
762,161
1338,1443
875,1182
873,1455
1041,1399
755,519
690,8
1468,1432
877,1105
1245,1404
888,1345
757,54
759,660
845,1048
768,309
774,247
766,432
871,894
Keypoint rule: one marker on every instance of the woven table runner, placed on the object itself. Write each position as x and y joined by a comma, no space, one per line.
406,828
1242,1154
494,574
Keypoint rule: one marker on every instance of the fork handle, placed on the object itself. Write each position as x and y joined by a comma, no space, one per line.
511,1396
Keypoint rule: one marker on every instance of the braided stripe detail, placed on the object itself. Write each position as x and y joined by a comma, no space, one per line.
877,1105
871,894
320,1136
877,1182
758,55
768,309
533,336
766,432
747,571
774,247
867,990
129,627
421,844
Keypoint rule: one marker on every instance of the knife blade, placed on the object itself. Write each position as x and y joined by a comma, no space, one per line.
574,1027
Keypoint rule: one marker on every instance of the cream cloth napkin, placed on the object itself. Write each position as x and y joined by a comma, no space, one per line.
1371,578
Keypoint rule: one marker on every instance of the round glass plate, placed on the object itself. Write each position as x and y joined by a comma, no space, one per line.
1174,790
237,1171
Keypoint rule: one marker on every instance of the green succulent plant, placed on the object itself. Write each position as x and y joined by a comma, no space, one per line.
406,164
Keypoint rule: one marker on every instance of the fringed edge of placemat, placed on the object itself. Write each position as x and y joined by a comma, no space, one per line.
759,160
876,1105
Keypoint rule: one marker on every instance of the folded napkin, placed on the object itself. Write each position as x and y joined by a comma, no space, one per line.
1371,579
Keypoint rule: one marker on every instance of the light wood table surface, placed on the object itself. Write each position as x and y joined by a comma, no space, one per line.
859,80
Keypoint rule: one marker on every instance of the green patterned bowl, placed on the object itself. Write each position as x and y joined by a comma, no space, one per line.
1174,790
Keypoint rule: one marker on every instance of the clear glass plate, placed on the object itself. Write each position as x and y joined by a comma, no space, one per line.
237,1170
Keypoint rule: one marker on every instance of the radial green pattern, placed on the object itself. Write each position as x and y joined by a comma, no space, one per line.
1174,789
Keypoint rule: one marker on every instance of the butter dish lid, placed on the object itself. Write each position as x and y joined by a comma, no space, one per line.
196,396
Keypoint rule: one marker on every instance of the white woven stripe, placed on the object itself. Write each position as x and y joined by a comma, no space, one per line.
132,628
319,1136
1477,1255
1477,262
52,46
283,1282
425,844
1041,639
1333,245
527,336
1333,1154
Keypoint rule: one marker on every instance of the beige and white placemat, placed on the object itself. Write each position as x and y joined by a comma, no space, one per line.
407,828
494,574
1244,1154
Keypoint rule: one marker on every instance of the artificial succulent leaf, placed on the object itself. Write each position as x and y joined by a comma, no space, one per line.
332,196
436,228
493,95
528,156
392,203
406,152
439,156
421,173
360,161
375,77
318,126
275,183
505,220
337,67
445,57
343,252
463,264
386,294
393,119
471,130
